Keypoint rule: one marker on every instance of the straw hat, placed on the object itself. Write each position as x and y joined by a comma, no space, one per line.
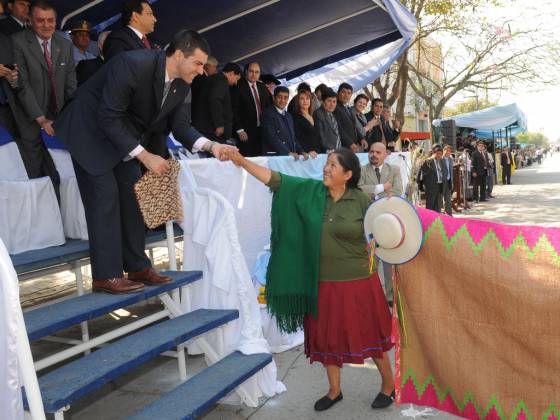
396,228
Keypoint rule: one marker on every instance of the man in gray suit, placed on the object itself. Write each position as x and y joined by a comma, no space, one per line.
378,179
325,122
47,80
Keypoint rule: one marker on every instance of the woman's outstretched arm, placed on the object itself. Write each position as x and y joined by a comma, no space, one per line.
260,172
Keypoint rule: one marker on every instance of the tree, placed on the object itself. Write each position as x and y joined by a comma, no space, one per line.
470,105
480,57
538,139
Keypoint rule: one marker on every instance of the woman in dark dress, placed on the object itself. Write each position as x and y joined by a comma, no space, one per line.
304,125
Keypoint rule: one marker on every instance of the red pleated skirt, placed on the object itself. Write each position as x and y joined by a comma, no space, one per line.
353,323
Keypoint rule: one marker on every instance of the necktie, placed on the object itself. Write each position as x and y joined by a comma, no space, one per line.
378,175
146,42
508,161
257,100
382,131
53,106
335,128
438,171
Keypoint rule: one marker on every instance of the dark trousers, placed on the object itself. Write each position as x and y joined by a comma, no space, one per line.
117,234
434,198
479,186
506,174
447,204
253,146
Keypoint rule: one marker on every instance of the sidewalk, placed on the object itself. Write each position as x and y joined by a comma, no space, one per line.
534,198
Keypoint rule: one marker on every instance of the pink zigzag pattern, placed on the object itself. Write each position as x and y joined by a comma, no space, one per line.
478,229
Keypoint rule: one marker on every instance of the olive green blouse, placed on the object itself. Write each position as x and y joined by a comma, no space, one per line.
344,253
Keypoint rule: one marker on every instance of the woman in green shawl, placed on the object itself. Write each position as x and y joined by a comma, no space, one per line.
319,275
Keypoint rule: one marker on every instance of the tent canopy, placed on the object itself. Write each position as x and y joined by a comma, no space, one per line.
288,38
491,120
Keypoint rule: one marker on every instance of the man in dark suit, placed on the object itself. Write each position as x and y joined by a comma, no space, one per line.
325,121
278,134
249,99
18,18
48,80
138,21
8,85
134,95
381,130
480,169
433,174
212,112
345,119
506,160
448,192
87,68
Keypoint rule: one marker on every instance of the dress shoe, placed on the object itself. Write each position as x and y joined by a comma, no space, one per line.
149,276
383,401
483,201
117,285
325,403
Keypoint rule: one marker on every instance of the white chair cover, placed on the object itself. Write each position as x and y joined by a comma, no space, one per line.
71,206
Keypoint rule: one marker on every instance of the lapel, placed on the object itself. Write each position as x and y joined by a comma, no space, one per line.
55,52
159,80
134,38
385,171
35,48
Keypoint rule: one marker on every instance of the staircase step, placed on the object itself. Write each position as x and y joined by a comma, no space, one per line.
74,380
49,319
201,392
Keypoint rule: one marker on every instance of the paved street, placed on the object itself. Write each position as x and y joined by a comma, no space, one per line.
534,198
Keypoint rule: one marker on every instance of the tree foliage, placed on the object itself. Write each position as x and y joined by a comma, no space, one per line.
470,105
538,139
480,55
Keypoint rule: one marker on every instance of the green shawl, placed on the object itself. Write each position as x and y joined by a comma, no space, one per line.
293,270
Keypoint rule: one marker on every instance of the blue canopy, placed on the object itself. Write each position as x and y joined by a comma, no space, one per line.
488,122
287,37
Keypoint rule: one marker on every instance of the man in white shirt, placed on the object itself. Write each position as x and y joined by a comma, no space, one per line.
379,179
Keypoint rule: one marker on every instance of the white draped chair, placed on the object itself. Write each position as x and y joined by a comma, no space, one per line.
29,212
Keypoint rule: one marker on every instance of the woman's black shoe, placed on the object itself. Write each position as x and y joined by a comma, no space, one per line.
325,403
383,401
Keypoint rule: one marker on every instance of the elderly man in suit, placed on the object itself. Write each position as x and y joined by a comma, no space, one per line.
278,133
212,113
18,18
47,79
326,123
433,174
480,170
138,21
105,127
379,179
249,99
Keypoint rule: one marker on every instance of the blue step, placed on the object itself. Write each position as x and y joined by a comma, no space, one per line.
49,319
72,250
201,392
74,380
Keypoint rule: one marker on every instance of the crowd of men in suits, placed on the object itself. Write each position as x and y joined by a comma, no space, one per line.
40,70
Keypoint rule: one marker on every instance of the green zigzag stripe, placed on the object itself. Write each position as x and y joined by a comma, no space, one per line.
493,403
518,243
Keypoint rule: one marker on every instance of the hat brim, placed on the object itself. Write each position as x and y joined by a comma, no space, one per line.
414,233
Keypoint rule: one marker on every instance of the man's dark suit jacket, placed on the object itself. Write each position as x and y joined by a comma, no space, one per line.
120,40
346,126
327,134
375,134
429,177
477,163
245,114
212,108
119,107
503,158
9,26
87,68
6,57
278,134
